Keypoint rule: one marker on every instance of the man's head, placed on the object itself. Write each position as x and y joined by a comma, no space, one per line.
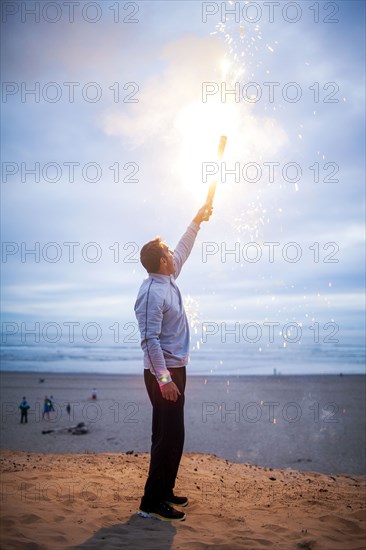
156,257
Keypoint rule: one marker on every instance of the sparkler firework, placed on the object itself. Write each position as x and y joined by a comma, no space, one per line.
213,185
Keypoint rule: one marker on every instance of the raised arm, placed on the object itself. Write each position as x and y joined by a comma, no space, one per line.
185,245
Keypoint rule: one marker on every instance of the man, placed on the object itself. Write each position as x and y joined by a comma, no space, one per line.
165,341
24,410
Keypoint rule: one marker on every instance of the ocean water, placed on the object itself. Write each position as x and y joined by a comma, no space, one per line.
218,355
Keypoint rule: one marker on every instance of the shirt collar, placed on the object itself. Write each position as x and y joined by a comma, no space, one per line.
161,278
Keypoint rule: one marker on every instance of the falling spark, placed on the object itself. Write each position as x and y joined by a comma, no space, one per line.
192,309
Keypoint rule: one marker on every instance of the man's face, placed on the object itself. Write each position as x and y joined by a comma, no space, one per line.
169,260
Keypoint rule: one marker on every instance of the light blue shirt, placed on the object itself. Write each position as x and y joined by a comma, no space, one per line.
161,317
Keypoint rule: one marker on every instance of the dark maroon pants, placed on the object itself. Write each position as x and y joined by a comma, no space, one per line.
167,438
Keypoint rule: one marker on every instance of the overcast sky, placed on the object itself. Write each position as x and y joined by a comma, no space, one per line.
136,102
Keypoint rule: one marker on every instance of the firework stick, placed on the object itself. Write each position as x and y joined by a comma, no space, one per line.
213,184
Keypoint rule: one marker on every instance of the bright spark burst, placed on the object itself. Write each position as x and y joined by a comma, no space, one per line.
199,124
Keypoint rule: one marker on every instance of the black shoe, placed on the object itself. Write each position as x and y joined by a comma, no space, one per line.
161,511
177,501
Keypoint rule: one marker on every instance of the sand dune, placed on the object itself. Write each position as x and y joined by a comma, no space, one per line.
90,501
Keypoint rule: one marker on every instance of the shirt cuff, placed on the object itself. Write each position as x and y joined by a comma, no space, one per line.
164,380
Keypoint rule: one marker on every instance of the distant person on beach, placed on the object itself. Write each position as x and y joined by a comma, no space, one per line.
165,341
94,394
24,411
47,406
68,409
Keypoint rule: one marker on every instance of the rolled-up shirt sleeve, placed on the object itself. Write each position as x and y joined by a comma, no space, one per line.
149,314
184,247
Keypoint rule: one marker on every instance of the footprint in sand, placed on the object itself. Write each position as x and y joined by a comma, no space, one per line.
342,525
29,518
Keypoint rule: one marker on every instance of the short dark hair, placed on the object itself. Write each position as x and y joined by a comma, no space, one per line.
151,253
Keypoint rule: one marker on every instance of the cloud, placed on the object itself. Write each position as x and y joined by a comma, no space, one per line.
171,108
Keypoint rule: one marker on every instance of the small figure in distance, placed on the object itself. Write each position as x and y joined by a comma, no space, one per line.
24,410
46,408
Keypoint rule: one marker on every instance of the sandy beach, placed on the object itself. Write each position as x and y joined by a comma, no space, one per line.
90,501
312,423
276,481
